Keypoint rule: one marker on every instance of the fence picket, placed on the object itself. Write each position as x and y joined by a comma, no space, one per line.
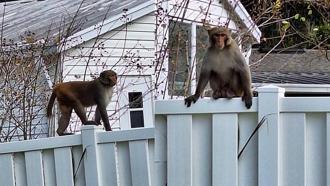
108,167
293,143
179,151
225,147
139,158
64,171
7,176
34,169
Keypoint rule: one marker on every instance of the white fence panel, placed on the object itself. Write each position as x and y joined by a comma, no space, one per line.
199,145
224,153
201,149
193,146
290,145
49,167
315,149
19,166
140,166
91,158
179,152
34,172
64,171
108,160
247,124
6,164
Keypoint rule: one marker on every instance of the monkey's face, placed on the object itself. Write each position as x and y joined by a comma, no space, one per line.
219,37
108,77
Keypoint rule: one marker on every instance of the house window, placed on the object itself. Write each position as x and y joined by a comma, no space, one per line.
179,58
136,109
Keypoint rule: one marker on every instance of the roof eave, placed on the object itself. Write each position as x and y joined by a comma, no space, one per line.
107,25
246,19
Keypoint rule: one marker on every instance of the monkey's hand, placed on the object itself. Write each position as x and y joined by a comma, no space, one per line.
248,101
190,99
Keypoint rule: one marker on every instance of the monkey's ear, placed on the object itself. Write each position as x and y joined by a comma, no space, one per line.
210,30
229,40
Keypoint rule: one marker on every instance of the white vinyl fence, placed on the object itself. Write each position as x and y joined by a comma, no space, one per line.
91,158
196,146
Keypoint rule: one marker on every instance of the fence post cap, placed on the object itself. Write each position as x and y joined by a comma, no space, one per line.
90,127
270,89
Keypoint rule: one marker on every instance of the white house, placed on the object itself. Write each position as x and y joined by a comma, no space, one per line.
154,46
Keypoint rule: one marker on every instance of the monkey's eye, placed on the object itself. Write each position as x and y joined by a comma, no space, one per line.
220,35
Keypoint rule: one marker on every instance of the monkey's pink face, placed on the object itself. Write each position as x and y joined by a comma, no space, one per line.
113,79
220,40
109,77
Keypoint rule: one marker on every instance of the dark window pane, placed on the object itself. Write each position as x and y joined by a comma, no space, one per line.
179,48
137,119
135,100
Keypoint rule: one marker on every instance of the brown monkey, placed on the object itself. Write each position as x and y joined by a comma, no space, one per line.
224,67
77,95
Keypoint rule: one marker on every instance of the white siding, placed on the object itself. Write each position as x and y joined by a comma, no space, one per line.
130,51
118,48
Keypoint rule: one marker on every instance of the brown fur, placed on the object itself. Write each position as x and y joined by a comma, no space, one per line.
224,67
77,95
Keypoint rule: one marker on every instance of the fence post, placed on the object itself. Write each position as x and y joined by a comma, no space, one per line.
88,138
268,135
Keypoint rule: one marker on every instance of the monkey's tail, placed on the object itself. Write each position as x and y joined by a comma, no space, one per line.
50,104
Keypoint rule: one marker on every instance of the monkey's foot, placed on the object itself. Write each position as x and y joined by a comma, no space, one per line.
66,134
91,123
248,101
190,99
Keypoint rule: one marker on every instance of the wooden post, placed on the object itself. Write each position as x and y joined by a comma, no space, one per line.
268,135
88,138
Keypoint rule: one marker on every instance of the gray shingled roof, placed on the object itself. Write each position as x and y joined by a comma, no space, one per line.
41,16
309,67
